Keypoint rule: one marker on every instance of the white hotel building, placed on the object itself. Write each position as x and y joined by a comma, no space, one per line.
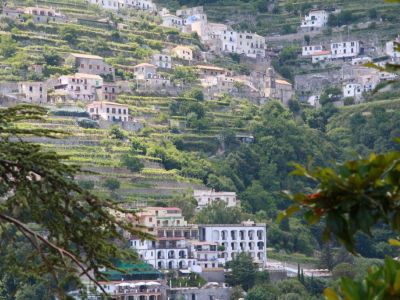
246,237
165,253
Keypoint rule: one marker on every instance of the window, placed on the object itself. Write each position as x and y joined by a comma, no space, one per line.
113,110
108,110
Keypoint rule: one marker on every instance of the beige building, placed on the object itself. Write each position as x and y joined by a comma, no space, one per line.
90,64
182,52
169,20
45,15
278,89
204,71
108,111
162,60
34,92
80,86
144,71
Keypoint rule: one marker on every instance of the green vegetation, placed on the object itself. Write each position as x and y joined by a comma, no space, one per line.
58,228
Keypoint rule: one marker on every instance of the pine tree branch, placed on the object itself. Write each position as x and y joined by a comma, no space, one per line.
62,252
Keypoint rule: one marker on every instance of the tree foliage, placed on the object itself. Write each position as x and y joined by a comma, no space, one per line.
69,230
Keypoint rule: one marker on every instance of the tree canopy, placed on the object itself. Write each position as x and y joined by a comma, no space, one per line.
70,231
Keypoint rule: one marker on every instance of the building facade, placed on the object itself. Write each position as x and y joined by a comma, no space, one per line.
81,86
207,197
246,43
311,49
246,237
33,92
392,50
161,60
353,90
315,20
90,64
182,52
144,71
108,111
345,50
45,15
321,56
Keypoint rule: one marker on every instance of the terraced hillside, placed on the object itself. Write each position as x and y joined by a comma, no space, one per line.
91,30
283,16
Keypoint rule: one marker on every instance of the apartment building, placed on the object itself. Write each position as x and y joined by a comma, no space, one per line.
247,237
206,254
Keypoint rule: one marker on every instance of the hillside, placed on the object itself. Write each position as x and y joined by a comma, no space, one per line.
183,136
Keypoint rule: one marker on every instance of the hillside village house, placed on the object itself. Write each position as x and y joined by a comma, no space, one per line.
207,197
236,238
109,91
44,15
315,20
275,88
182,52
190,11
81,86
107,4
249,44
123,4
34,92
345,50
392,52
162,60
139,4
169,20
311,49
90,64
359,61
144,71
108,111
321,56
204,71
12,13
353,90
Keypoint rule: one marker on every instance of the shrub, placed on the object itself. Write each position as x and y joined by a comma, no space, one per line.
132,163
112,184
86,184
